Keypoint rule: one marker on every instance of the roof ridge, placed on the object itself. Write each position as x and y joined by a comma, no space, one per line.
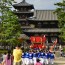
44,10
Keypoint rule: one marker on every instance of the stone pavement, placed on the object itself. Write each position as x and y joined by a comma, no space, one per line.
59,61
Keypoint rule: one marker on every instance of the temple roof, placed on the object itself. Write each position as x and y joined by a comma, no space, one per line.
22,4
28,12
44,15
42,30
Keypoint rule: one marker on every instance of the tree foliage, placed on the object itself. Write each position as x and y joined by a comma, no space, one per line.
61,18
10,29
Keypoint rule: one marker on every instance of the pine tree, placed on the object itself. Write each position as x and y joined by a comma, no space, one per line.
61,18
10,29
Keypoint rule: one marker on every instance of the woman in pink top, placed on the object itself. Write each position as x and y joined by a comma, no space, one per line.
38,62
8,59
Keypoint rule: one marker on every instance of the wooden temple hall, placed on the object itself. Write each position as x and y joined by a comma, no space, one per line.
37,22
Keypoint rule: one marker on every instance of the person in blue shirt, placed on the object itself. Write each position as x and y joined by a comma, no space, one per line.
30,57
52,58
23,58
38,54
34,56
45,58
26,58
42,57
48,56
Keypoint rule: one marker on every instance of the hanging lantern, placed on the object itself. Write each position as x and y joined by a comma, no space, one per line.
32,38
37,39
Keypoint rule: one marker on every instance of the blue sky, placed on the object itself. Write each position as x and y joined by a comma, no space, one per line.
42,4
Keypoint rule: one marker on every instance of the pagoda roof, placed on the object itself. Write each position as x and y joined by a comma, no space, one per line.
44,15
42,30
22,4
24,12
28,27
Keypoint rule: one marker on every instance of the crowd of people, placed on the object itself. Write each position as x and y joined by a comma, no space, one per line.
31,57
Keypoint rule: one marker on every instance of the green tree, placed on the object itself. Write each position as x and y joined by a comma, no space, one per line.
10,29
61,18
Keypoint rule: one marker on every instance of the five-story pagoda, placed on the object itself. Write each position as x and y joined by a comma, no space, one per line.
24,10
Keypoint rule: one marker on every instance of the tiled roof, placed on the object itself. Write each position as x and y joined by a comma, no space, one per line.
44,15
23,3
24,12
43,30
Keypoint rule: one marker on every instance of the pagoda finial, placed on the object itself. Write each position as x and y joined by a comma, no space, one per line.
23,1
